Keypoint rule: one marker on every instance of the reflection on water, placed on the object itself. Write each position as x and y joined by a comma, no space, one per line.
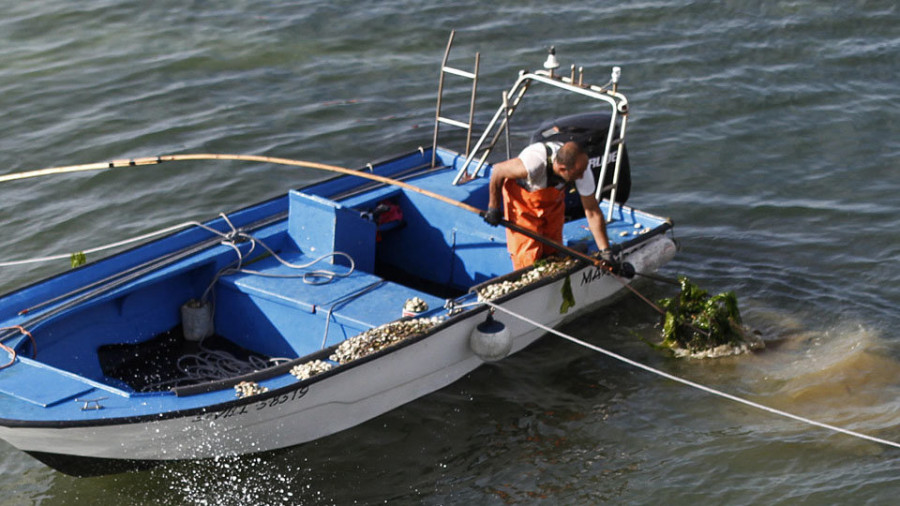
844,376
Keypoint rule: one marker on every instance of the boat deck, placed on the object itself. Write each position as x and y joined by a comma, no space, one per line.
277,299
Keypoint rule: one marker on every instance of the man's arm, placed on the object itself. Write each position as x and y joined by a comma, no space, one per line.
595,220
500,172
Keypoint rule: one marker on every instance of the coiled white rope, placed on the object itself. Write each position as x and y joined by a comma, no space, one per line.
692,384
212,365
314,277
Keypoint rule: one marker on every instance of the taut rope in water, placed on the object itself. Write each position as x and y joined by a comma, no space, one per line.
692,384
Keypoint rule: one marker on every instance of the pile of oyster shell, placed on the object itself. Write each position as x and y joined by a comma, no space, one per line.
542,269
415,305
310,369
394,332
367,343
248,388
381,337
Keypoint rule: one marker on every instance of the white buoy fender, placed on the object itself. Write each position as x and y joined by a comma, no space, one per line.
491,340
196,320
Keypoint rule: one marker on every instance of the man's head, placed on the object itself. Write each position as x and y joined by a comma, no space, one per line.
571,161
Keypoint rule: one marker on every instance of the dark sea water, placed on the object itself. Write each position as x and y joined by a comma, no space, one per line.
768,131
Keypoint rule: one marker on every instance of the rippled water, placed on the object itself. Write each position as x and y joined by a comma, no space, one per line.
766,130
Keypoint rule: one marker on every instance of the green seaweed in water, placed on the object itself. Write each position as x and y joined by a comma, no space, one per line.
695,322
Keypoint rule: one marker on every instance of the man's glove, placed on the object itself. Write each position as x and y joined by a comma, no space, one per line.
493,216
616,265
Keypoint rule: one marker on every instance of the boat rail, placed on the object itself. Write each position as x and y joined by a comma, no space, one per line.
607,93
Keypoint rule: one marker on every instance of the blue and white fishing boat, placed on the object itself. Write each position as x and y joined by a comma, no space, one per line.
310,313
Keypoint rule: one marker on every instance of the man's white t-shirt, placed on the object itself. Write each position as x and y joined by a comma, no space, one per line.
534,157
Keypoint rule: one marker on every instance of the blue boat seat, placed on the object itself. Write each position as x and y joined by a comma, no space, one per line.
40,384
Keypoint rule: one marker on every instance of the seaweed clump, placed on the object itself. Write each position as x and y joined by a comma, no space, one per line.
699,326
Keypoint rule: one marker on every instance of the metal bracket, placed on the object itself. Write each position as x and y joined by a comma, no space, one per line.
90,404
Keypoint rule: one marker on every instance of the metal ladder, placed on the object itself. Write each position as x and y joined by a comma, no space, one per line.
438,119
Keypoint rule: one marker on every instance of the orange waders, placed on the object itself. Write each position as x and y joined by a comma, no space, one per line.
541,211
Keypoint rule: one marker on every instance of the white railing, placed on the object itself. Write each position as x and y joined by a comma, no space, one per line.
607,93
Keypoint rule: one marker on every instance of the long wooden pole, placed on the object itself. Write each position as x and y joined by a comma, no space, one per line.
154,160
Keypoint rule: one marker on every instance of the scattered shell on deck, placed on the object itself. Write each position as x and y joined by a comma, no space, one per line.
415,305
381,337
310,369
536,273
248,388
623,234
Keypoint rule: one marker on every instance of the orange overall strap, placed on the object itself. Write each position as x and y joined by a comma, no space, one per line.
541,211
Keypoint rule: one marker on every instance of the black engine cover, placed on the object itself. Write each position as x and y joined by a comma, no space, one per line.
590,131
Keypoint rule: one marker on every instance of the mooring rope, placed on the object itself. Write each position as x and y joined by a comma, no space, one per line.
692,384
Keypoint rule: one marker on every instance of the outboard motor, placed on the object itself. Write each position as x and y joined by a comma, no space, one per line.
590,131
